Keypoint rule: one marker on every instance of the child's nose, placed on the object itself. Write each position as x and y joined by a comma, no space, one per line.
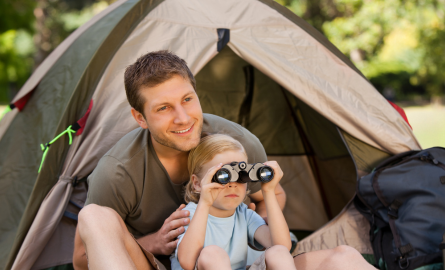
233,184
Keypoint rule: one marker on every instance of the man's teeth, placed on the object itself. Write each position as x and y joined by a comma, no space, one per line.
182,131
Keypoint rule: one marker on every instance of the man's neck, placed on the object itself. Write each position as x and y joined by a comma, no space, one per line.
174,162
166,152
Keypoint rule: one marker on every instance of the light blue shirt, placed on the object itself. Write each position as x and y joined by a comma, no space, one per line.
231,234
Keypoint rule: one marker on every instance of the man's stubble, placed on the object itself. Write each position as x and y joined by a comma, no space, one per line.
162,140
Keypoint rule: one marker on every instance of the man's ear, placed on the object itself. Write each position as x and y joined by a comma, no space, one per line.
140,119
196,183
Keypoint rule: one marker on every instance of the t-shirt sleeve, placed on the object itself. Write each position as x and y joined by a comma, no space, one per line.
110,185
256,153
254,221
190,207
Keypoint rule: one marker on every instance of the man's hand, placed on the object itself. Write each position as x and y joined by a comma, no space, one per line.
164,241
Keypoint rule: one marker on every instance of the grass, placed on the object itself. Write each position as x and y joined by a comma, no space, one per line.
428,123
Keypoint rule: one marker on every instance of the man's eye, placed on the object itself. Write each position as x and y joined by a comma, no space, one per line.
162,108
188,99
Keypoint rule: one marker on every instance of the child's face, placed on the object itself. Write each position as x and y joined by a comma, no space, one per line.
233,193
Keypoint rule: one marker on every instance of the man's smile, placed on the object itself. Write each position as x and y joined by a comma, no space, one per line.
184,131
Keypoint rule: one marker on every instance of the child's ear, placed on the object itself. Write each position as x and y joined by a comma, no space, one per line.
196,183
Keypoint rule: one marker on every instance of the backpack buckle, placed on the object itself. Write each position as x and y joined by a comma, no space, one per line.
393,213
404,250
403,262
393,209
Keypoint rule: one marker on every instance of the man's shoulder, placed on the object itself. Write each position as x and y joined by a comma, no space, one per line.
217,124
129,146
252,145
115,174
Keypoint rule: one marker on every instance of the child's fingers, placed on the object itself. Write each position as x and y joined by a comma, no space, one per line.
276,168
209,175
215,186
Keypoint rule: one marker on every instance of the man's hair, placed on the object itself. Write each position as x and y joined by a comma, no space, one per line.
151,70
207,149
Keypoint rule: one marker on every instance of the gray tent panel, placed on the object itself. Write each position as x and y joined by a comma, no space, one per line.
61,98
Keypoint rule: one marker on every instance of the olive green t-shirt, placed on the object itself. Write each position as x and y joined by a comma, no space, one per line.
130,179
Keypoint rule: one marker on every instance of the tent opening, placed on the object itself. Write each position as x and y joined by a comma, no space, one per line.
319,174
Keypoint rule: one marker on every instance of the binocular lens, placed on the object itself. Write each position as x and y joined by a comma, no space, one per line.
265,174
223,176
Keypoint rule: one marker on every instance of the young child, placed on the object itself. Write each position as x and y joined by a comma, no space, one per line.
221,225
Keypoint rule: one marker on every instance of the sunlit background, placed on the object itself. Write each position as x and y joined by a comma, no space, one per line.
399,45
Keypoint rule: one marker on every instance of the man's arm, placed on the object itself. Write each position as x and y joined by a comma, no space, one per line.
258,199
111,186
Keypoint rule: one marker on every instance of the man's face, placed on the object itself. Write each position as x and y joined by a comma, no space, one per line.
173,114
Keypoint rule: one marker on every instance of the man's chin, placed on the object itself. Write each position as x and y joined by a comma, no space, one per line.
184,145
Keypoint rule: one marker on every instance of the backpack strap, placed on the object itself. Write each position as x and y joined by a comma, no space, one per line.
395,158
393,213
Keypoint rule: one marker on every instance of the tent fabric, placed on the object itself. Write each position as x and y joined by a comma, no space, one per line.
348,228
60,99
6,121
365,157
401,112
38,234
294,67
301,195
279,49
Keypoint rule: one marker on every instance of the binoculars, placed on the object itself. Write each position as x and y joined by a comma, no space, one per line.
242,172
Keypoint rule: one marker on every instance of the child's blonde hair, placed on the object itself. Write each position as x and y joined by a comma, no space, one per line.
207,149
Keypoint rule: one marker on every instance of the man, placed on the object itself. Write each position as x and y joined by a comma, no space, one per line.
139,183
135,192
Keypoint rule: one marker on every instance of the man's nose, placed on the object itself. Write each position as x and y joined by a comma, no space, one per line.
181,116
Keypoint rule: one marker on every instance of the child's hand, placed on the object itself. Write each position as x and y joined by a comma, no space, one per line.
278,174
209,190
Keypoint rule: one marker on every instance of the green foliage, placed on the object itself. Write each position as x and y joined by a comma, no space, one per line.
397,44
30,30
16,14
15,60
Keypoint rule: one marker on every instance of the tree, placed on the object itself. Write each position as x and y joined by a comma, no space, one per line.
30,30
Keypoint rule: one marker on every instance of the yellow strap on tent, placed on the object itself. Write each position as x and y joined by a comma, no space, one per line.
45,147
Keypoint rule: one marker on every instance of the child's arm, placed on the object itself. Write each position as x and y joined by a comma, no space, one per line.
277,231
193,239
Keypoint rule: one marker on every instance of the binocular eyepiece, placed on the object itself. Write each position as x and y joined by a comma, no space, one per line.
242,172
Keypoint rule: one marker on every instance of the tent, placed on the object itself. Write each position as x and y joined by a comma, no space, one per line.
256,63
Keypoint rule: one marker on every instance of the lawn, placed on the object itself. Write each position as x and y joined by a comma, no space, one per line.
428,124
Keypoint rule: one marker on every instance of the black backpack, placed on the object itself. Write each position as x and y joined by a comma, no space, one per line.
404,200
